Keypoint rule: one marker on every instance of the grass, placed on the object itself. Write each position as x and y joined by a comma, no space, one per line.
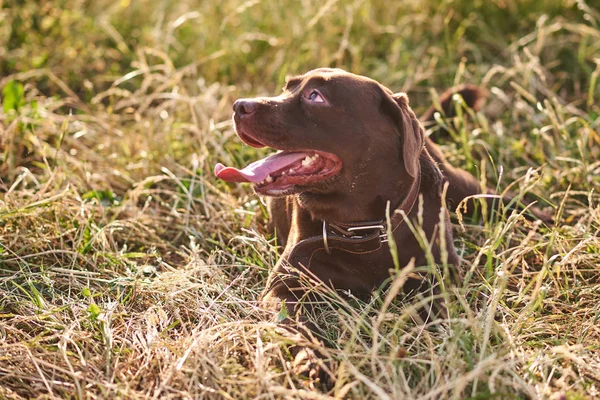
127,270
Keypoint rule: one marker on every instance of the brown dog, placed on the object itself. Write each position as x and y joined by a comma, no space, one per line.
349,148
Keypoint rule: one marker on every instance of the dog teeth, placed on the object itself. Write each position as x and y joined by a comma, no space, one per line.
291,171
307,160
268,179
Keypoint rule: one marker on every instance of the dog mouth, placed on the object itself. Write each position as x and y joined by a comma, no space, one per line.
249,140
282,173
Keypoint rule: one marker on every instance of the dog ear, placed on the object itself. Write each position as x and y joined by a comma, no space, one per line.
413,136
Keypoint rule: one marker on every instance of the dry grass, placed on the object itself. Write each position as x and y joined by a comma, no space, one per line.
127,270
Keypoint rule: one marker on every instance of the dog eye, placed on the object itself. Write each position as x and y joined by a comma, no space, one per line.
316,97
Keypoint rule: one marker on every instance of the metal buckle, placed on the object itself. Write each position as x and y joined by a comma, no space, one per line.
364,228
383,237
325,238
383,232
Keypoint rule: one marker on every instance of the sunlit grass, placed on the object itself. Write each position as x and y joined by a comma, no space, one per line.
127,270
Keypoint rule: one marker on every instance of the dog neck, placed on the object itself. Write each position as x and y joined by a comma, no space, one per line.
358,237
305,226
356,203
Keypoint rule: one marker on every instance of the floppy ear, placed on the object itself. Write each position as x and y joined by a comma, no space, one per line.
413,136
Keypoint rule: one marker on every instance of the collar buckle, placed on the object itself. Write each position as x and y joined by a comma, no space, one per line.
365,227
381,227
383,237
382,231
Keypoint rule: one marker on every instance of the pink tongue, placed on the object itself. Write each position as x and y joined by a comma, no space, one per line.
258,170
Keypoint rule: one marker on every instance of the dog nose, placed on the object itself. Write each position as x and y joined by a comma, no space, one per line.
244,107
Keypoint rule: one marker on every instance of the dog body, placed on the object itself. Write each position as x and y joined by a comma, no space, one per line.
350,150
371,151
354,268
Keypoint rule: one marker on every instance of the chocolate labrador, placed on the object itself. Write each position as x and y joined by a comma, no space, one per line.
350,149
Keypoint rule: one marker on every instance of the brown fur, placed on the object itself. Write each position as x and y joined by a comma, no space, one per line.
383,150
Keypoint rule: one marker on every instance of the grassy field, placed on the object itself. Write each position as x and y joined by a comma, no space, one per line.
128,271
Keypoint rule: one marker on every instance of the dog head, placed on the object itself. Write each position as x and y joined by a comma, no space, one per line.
339,134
